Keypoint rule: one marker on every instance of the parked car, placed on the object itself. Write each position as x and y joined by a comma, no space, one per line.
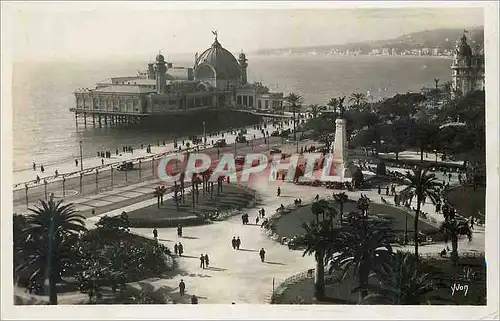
276,133
241,139
275,150
125,166
220,143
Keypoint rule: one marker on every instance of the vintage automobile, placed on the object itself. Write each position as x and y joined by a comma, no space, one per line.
126,166
220,143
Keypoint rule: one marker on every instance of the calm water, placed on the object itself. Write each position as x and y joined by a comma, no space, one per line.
44,129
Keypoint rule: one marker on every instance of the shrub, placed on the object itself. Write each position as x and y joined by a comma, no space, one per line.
381,169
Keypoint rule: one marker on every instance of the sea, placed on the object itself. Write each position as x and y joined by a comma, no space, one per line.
45,131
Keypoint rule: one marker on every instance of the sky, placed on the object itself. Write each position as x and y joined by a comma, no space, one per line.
99,29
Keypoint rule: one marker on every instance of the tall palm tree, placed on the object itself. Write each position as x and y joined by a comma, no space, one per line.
295,101
419,184
363,246
357,99
49,226
341,199
452,229
316,238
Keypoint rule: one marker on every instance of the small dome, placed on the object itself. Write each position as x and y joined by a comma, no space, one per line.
160,58
221,60
463,48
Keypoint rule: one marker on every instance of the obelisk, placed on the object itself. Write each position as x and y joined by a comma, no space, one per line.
344,168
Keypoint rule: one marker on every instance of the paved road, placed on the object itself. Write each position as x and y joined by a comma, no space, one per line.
93,183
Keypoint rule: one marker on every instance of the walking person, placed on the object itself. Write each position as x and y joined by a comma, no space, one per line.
233,242
262,254
155,234
207,262
279,191
257,220
182,288
471,223
180,248
387,190
34,166
176,249
42,169
238,243
263,211
202,261
379,190
179,230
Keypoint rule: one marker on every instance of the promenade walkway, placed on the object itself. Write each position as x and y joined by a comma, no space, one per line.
68,167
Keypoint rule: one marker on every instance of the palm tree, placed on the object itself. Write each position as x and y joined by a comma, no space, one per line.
357,99
406,285
324,207
333,103
295,101
363,204
159,193
176,195
364,246
49,226
316,239
410,285
420,184
341,198
316,109
452,229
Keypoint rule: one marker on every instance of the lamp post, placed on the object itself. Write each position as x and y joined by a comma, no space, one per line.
204,136
435,154
81,155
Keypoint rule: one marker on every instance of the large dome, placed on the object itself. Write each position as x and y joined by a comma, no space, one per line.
219,60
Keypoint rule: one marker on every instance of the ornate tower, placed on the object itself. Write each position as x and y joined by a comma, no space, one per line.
161,70
243,66
467,69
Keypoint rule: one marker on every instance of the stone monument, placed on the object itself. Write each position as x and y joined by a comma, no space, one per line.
343,167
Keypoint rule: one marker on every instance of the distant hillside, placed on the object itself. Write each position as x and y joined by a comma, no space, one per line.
444,39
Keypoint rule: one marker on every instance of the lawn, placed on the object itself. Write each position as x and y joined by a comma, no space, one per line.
232,197
444,276
290,224
470,202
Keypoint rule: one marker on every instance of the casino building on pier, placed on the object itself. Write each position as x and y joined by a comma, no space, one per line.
217,80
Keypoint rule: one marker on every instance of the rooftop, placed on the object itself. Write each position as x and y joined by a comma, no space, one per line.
125,89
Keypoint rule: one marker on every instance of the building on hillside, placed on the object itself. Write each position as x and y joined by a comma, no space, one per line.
467,68
217,80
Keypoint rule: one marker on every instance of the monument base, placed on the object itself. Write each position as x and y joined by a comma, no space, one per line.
345,171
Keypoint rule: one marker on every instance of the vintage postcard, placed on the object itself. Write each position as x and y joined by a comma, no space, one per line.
261,160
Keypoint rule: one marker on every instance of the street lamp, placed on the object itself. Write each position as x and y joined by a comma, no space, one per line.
435,154
204,136
81,156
